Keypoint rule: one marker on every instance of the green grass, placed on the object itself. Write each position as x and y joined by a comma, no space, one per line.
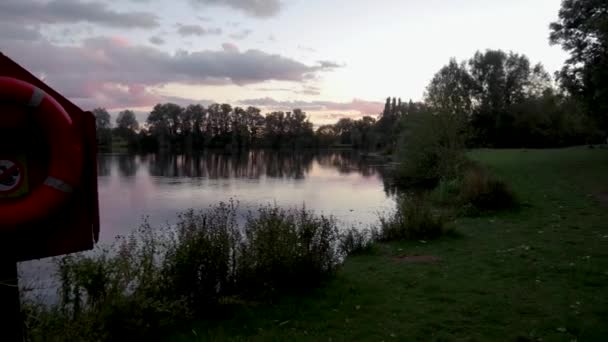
540,272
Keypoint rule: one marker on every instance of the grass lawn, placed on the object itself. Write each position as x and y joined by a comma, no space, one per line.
537,273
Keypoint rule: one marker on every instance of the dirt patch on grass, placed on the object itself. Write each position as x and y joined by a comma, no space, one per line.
602,197
419,259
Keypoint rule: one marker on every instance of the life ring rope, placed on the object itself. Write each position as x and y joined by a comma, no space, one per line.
37,96
58,184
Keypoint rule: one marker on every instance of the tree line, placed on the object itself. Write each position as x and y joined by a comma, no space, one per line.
501,98
170,126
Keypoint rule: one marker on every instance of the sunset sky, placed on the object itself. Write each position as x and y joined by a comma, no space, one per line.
331,58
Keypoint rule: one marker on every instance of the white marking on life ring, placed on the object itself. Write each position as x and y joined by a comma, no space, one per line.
58,184
37,97
11,175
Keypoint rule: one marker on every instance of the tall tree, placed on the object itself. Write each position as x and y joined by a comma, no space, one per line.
275,128
126,127
164,123
103,127
540,82
255,124
500,80
344,128
363,135
326,135
126,120
582,30
387,108
102,118
450,90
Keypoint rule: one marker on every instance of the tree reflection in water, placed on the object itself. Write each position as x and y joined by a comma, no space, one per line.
253,164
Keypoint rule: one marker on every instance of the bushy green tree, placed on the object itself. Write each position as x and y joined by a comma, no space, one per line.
451,90
500,80
126,127
582,30
431,147
126,120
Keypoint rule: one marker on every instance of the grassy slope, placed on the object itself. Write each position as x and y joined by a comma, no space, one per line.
539,272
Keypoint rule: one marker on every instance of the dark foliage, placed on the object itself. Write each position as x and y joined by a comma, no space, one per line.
286,250
484,191
413,219
582,30
357,241
156,279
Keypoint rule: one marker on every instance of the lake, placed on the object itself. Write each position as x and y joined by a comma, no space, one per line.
341,183
338,183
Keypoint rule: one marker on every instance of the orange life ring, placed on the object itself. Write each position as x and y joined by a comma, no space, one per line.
65,155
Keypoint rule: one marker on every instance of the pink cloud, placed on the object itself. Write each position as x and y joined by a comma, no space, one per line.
361,106
120,41
230,47
111,96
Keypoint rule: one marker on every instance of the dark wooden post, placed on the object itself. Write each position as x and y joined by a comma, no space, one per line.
11,324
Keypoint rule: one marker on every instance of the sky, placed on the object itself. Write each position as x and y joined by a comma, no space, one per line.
331,58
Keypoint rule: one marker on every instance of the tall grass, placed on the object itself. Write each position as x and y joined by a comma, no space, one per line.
157,278
414,218
485,191
475,191
357,241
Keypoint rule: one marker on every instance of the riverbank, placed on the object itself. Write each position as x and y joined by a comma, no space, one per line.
540,272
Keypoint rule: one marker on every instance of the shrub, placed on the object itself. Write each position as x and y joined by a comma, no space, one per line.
156,278
484,191
413,219
474,191
109,293
446,191
356,241
431,147
286,250
200,263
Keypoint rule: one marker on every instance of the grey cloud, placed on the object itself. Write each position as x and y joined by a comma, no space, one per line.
156,40
270,102
16,32
216,31
73,11
273,89
113,71
241,35
305,90
256,8
329,64
273,104
309,90
182,101
196,30
356,105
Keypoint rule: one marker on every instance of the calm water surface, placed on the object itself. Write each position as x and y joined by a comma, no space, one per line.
340,183
158,186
